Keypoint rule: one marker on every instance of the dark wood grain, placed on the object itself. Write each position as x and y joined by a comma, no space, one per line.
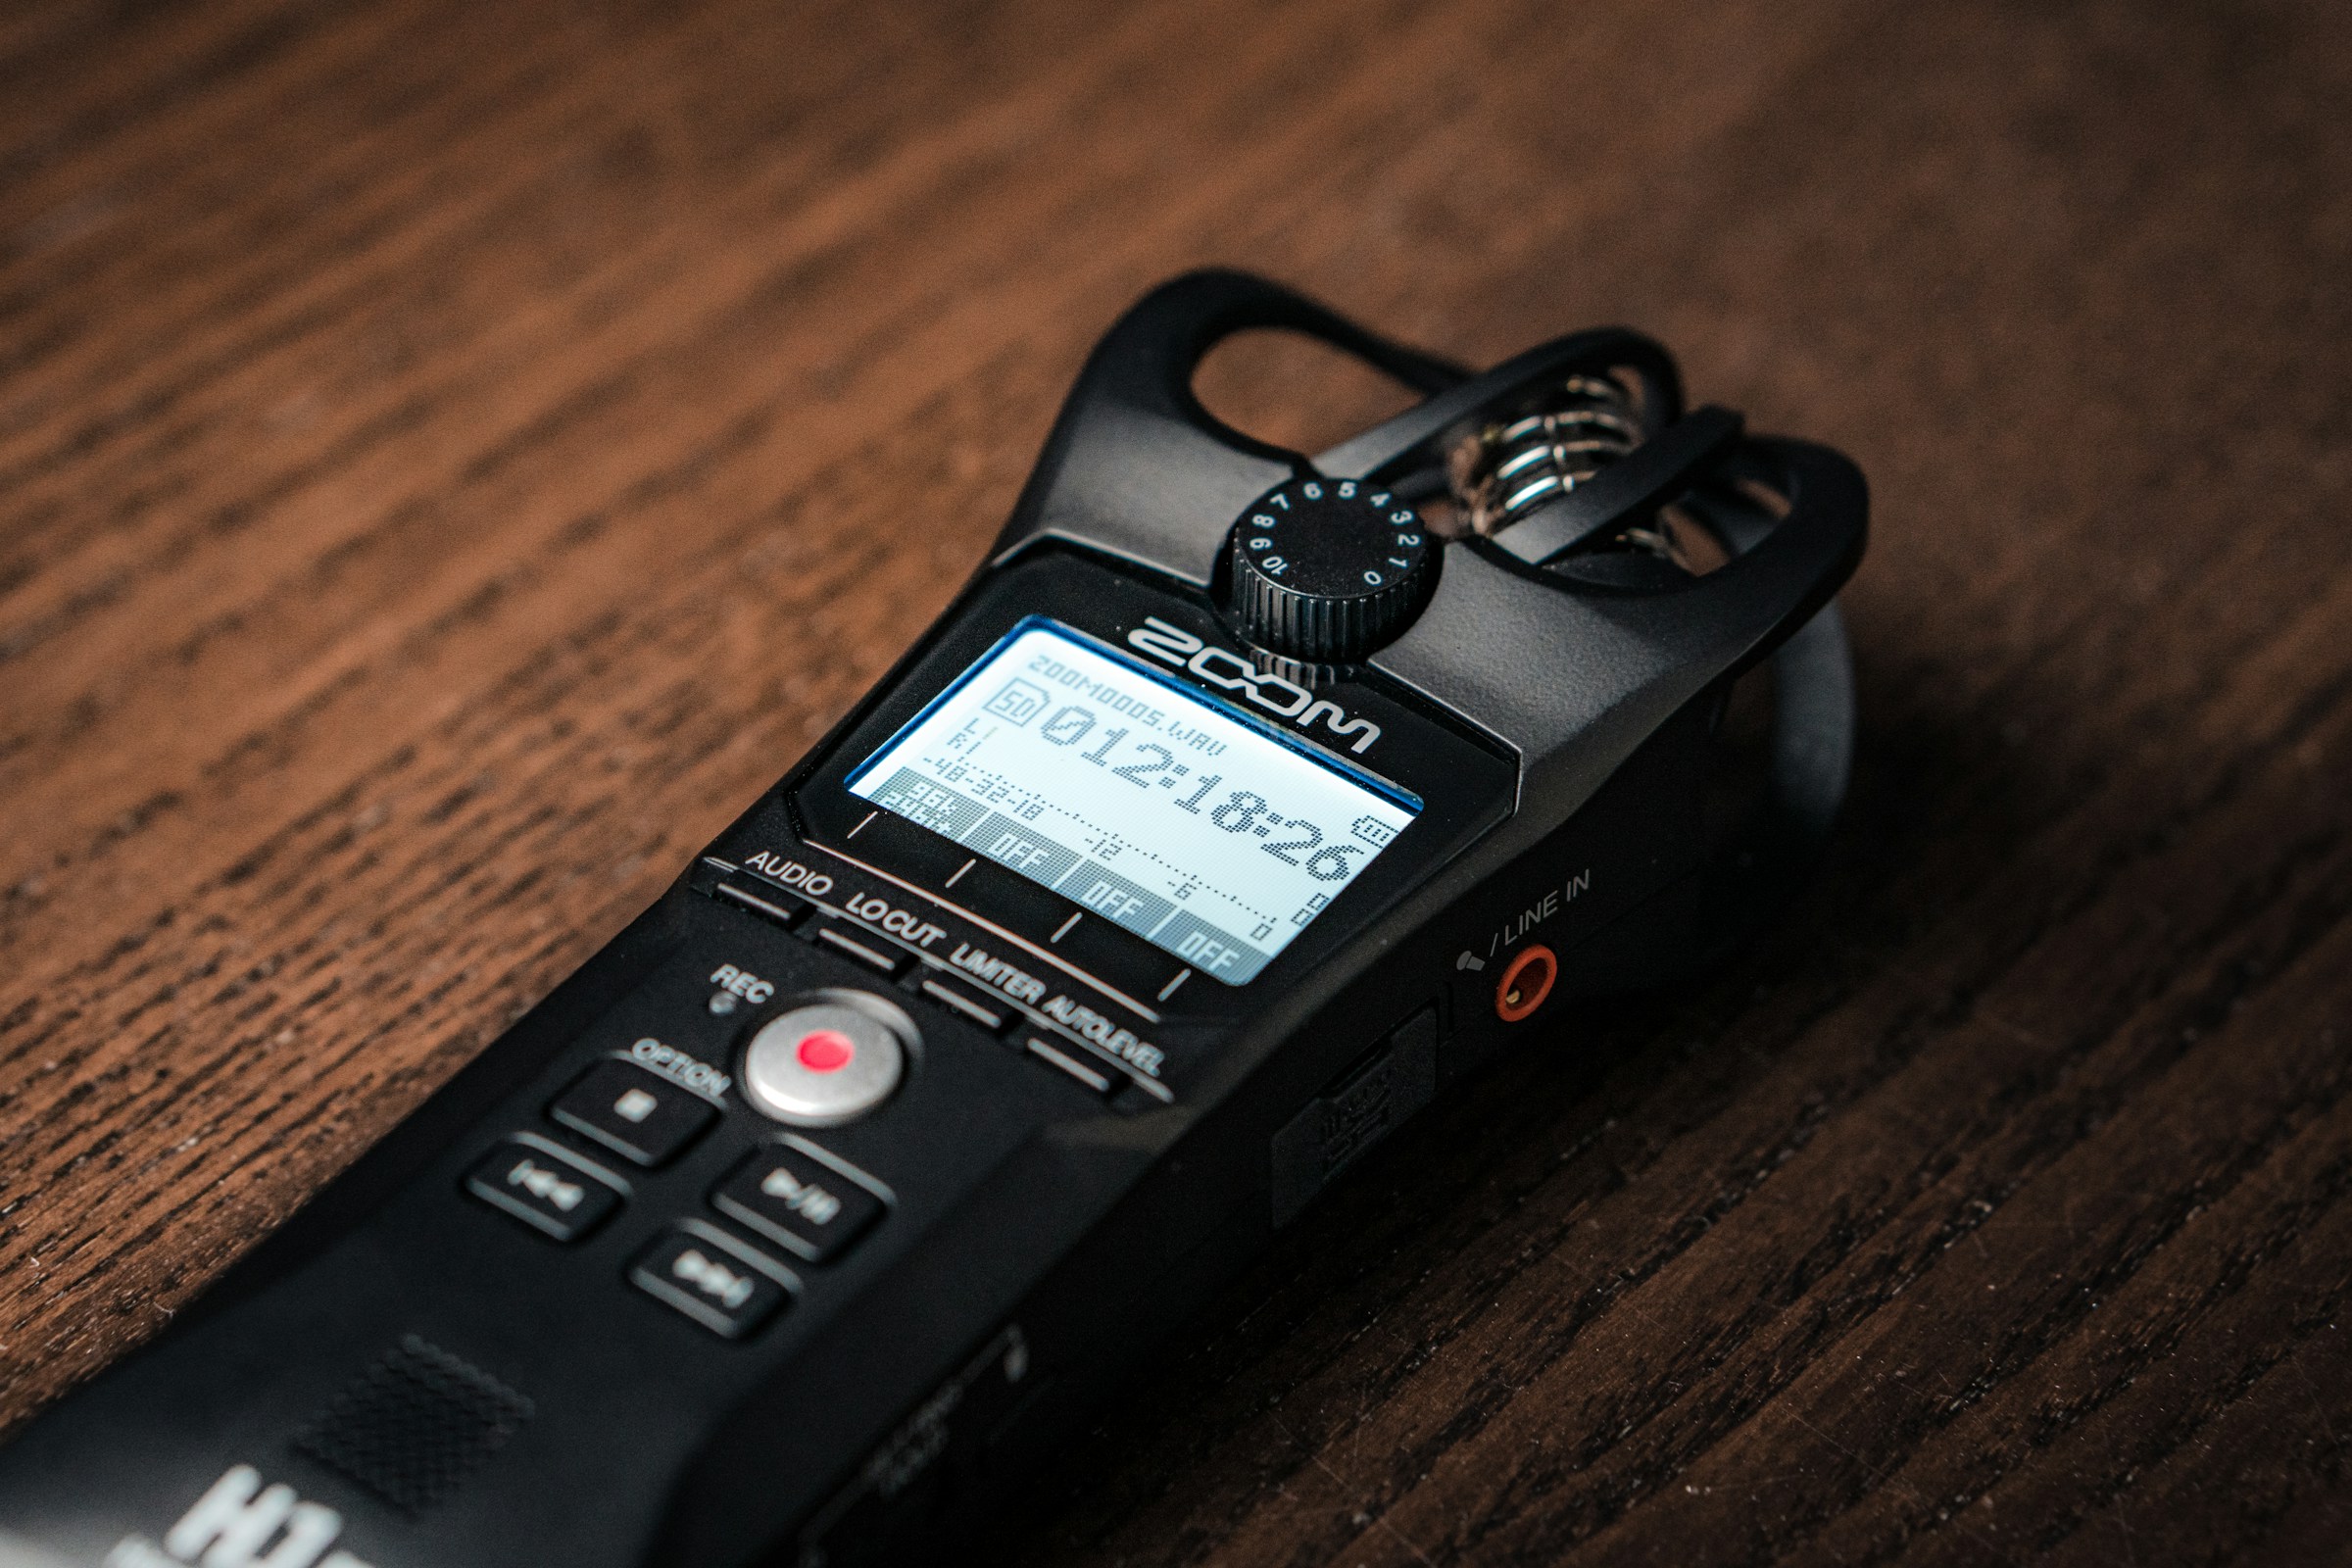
452,456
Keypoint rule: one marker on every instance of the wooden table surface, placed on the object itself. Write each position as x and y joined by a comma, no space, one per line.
452,454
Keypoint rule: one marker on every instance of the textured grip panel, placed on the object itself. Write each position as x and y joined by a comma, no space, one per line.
413,1426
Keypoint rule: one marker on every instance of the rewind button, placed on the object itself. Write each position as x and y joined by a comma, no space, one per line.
555,1195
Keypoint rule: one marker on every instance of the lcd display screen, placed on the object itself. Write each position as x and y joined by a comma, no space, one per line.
1142,801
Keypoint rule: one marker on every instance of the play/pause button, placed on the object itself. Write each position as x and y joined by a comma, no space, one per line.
801,1198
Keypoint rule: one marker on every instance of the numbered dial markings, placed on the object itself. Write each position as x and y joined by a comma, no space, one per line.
1327,570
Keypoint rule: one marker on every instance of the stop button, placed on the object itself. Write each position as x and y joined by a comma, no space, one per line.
827,1060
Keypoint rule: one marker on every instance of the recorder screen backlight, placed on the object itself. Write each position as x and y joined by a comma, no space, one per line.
1142,801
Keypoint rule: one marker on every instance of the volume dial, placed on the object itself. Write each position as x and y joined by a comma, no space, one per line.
1327,570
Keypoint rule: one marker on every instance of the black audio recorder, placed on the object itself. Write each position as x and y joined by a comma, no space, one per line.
1240,803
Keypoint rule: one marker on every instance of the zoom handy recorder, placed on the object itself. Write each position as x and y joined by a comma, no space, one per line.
1241,803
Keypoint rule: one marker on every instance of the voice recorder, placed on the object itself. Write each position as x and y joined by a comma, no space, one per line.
1240,803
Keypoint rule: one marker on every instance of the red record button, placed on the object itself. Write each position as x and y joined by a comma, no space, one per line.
830,1060
825,1050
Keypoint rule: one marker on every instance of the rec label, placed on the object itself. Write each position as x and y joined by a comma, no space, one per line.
742,983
